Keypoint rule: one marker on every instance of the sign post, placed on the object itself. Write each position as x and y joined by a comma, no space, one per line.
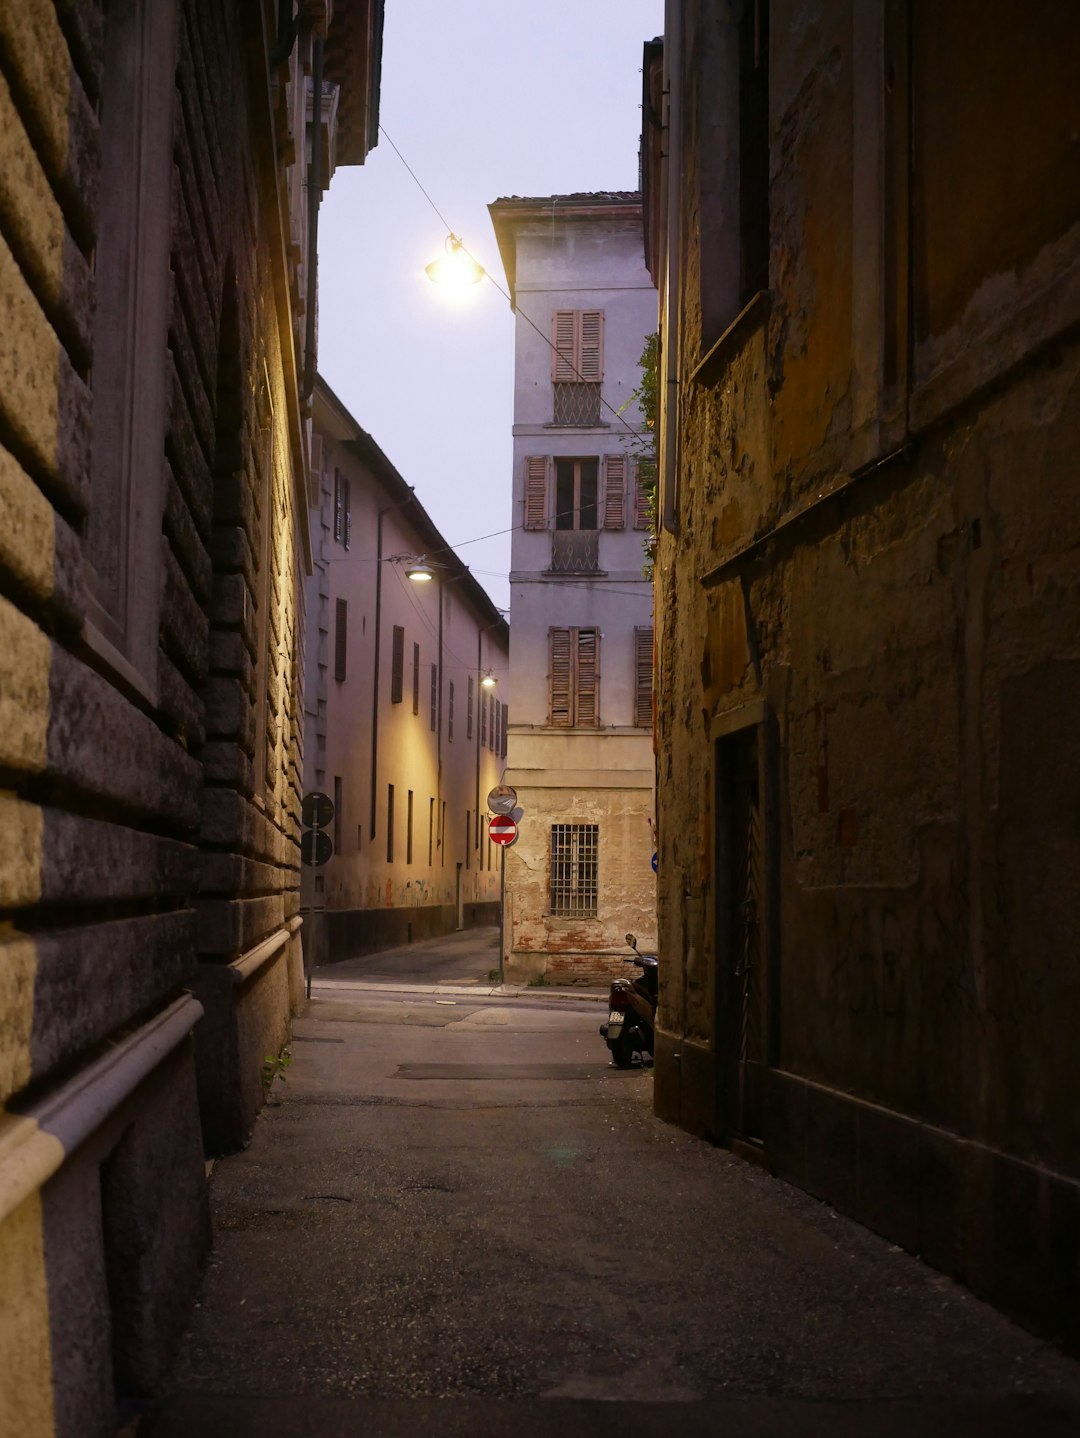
502,830
316,847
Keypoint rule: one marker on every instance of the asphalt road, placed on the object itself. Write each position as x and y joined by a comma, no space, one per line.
456,1218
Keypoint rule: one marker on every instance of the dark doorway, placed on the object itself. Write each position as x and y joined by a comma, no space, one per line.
741,908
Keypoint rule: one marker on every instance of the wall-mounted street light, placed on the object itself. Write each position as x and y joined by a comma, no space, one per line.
455,269
419,571
488,681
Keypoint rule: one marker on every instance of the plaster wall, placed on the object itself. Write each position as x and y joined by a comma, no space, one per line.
874,571
371,900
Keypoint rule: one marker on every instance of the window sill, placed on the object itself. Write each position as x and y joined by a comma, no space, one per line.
753,314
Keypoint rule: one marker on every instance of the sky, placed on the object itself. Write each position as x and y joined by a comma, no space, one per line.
483,98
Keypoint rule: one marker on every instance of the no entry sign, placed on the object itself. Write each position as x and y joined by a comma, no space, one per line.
502,831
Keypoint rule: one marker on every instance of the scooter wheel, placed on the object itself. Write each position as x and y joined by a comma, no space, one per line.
622,1051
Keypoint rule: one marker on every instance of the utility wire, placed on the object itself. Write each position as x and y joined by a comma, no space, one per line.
487,273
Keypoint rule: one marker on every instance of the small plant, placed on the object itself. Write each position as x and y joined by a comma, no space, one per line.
493,976
274,1066
538,981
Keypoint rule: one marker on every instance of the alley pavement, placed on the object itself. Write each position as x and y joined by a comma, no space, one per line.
455,1218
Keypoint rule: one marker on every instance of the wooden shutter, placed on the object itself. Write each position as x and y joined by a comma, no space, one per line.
416,679
561,714
564,357
591,345
588,677
536,487
644,475
614,491
483,717
341,625
397,665
504,720
347,537
339,505
643,678
450,713
469,710
434,698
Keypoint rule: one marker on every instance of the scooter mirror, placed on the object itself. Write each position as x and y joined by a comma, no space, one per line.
631,940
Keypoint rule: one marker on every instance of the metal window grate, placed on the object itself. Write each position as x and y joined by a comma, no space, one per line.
577,405
575,850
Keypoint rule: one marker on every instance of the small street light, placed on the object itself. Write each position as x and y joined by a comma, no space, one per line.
455,269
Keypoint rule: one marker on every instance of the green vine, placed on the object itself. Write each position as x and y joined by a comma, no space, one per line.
643,446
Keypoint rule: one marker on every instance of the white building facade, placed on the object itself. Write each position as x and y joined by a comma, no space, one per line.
580,751
406,705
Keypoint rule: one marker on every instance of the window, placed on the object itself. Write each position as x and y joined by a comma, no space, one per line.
390,823
644,489
442,834
337,813
434,697
575,493
397,665
574,867
577,366
468,838
483,717
430,831
505,719
416,679
574,678
643,677
494,726
341,635
409,828
468,711
342,509
450,714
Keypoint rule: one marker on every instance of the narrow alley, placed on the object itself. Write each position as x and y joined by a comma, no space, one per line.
453,1197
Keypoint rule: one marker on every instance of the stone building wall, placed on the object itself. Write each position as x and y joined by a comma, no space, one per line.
868,633
152,546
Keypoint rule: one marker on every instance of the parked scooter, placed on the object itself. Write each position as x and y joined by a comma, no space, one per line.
632,1010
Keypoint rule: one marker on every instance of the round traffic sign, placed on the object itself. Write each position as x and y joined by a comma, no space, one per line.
316,810
502,799
502,831
316,847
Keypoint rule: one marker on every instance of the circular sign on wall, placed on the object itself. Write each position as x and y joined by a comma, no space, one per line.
316,810
502,831
316,847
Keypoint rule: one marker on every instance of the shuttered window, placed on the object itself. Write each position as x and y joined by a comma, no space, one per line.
614,491
574,678
469,711
341,638
505,719
536,492
643,678
416,679
578,339
450,714
644,479
434,697
483,717
397,665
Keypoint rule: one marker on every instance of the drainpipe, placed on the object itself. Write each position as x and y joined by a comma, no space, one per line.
314,201
375,678
673,41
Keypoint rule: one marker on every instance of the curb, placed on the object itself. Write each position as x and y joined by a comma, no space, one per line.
496,991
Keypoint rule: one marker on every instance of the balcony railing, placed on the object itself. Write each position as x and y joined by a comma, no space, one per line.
577,405
575,551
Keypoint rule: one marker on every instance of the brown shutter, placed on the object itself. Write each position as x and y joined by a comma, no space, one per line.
564,358
614,491
588,677
315,470
643,678
341,625
505,717
536,492
561,716
339,505
397,665
416,679
591,330
469,711
644,471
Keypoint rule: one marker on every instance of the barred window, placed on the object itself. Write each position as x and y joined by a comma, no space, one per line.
575,852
